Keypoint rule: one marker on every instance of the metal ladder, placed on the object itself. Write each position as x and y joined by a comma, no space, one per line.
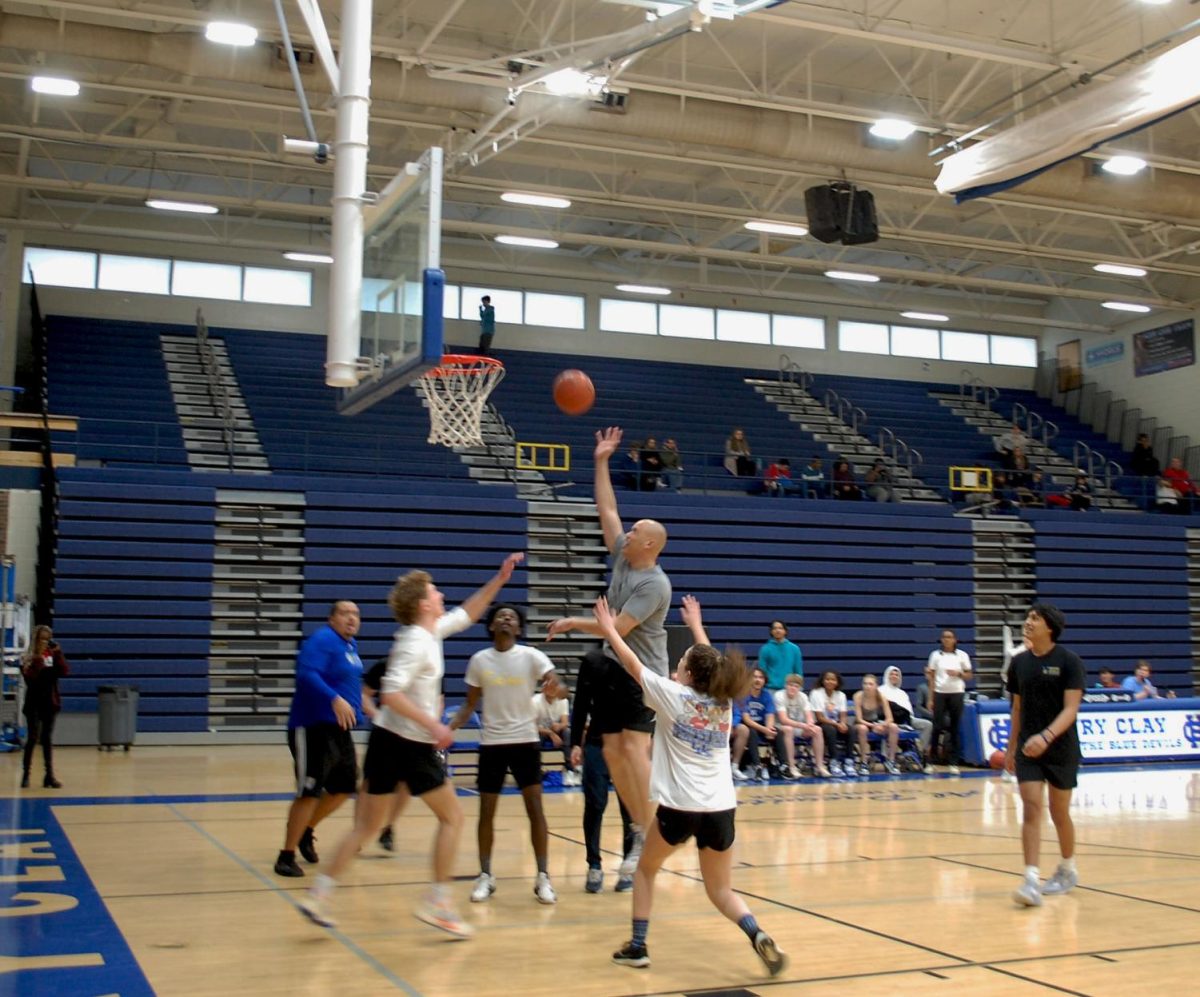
1005,582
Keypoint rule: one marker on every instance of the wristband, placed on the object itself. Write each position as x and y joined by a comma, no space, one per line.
1049,740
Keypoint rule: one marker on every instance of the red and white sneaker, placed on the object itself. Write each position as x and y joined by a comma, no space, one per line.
443,916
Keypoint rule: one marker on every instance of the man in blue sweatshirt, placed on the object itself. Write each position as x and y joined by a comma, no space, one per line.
326,707
779,657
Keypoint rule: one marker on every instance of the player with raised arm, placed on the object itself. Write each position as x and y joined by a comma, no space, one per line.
639,596
691,780
403,749
1046,682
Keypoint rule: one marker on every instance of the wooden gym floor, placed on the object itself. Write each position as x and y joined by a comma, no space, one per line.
150,872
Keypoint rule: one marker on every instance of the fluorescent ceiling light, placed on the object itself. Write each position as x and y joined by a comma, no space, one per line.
520,240
778,228
1126,306
866,278
643,289
895,129
231,33
573,83
537,200
1119,269
192,207
308,257
1156,3
57,86
926,316
1124,166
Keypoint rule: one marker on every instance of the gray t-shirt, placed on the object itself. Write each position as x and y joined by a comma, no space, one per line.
645,594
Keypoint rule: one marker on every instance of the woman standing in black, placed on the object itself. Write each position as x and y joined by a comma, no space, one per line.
41,668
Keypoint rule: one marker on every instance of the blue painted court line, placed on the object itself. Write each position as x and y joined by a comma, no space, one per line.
58,936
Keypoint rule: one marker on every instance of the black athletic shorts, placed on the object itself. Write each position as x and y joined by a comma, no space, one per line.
324,760
392,759
524,761
618,704
1059,775
711,828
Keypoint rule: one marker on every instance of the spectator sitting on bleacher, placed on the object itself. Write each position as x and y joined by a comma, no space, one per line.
649,465
921,703
672,464
1020,471
1003,494
1166,499
830,710
1140,685
904,712
1009,443
844,484
1143,461
1182,482
756,727
777,479
879,483
873,715
552,711
794,721
1079,495
1106,680
738,460
812,479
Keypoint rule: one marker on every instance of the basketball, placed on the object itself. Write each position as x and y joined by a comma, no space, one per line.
996,759
574,392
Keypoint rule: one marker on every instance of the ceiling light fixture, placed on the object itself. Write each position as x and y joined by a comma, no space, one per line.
521,240
535,200
865,278
56,86
777,228
643,289
1119,269
1126,306
574,83
190,207
231,33
893,129
308,257
1123,166
926,316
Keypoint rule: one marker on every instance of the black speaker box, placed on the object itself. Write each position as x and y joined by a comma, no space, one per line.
841,212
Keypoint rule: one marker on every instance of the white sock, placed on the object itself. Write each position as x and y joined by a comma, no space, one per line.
439,893
1068,865
1031,873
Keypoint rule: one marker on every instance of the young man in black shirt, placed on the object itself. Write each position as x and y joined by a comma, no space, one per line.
1046,682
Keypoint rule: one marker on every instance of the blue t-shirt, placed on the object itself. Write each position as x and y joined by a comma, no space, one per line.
779,659
327,666
759,707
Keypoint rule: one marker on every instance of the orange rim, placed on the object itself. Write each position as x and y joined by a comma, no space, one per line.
464,363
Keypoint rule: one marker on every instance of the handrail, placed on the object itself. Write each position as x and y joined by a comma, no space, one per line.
789,369
1088,462
1109,467
890,437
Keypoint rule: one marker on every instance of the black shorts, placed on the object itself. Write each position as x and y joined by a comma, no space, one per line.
324,760
524,761
392,759
1059,775
619,705
711,828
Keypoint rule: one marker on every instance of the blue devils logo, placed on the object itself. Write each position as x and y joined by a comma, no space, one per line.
998,733
1191,729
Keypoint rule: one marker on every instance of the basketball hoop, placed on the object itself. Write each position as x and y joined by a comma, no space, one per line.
456,391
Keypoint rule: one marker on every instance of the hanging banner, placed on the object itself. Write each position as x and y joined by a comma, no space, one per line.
1166,348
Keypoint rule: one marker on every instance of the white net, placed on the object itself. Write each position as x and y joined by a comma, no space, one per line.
456,391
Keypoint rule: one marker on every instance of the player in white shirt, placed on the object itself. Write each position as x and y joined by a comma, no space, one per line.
402,753
504,676
552,708
690,778
794,720
947,670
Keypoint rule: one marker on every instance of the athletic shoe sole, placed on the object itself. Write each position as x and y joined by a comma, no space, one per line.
457,929
773,959
314,913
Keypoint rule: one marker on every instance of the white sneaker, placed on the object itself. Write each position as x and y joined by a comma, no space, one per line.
316,908
794,772
571,779
739,775
595,881
629,864
1007,776
954,770
1063,881
1028,894
890,767
823,772
443,916
543,890
485,886
762,774
864,769
835,769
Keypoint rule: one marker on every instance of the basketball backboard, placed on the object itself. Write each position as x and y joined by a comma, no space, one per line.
402,284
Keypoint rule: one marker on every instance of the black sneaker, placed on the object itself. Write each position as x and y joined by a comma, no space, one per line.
308,847
632,955
772,958
387,840
286,865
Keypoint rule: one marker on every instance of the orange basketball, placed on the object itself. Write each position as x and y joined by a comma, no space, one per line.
996,759
574,392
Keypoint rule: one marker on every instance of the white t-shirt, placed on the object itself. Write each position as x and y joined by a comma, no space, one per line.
548,712
796,709
508,679
829,707
689,767
415,668
939,661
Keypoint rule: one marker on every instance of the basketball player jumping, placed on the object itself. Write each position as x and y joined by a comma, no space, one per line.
639,596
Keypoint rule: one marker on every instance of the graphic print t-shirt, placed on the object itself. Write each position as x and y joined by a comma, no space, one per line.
689,767
1041,682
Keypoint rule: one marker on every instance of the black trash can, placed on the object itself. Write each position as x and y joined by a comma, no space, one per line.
118,715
